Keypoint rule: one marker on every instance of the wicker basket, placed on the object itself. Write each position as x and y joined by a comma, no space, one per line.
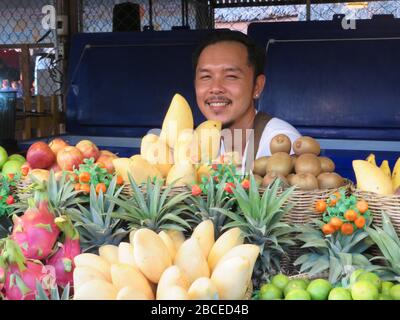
127,190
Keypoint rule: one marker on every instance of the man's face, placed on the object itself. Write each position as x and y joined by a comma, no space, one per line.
224,82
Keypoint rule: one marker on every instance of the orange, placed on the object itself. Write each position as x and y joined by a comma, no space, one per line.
84,177
102,187
336,223
85,188
328,229
362,206
77,187
120,181
350,215
320,206
360,222
347,229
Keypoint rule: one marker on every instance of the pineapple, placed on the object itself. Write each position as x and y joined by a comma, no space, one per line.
97,226
153,209
259,218
389,244
204,209
337,254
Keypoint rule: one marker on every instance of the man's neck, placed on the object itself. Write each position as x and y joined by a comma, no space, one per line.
244,123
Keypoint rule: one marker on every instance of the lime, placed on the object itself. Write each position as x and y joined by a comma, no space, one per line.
280,281
395,292
295,284
3,156
270,292
17,157
339,294
364,290
386,285
11,167
371,277
385,297
354,276
298,294
319,289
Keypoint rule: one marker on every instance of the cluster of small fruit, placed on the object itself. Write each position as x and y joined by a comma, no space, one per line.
363,286
7,198
343,213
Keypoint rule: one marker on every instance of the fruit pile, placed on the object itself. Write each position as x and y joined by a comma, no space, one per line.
376,179
168,266
343,213
305,169
363,285
10,165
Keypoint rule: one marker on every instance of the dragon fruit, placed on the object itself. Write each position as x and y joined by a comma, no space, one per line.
35,231
22,275
63,258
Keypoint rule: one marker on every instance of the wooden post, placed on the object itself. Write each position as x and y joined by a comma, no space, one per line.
26,84
55,115
41,123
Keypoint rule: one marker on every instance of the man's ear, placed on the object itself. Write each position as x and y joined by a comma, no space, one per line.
259,86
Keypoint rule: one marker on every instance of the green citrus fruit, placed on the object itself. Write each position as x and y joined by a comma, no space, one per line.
386,285
384,297
3,156
295,284
339,294
319,289
364,290
395,292
270,292
371,277
298,294
280,281
11,167
354,276
17,157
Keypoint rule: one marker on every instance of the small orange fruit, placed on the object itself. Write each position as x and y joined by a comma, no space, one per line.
77,187
120,180
347,229
350,215
328,229
84,177
336,223
360,222
246,184
102,187
320,206
362,206
85,188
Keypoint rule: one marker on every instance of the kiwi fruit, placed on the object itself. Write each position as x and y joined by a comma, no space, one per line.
280,143
258,179
271,177
308,163
305,181
306,145
280,163
327,165
330,180
260,166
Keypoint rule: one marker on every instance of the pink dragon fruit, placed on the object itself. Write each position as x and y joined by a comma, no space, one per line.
63,258
35,231
22,275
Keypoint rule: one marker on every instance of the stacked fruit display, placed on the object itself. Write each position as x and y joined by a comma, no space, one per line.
363,285
379,180
168,266
305,169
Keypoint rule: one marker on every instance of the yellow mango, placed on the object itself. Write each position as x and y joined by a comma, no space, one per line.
168,243
371,159
385,168
109,252
208,135
175,293
396,175
190,259
125,254
172,276
203,171
128,293
231,277
146,142
203,289
151,254
96,290
140,170
159,155
95,262
182,174
228,240
177,237
204,233
371,178
186,148
124,275
122,167
82,275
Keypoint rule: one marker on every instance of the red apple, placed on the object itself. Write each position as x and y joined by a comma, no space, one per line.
40,156
25,169
68,158
57,144
88,149
105,161
107,153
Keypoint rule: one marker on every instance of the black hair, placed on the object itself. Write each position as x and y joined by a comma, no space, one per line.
256,56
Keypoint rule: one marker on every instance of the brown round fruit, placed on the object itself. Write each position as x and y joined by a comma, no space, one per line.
258,179
280,163
260,166
330,180
305,181
308,163
294,159
280,143
290,177
271,177
306,145
327,165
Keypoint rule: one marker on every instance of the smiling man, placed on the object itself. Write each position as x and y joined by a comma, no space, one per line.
229,78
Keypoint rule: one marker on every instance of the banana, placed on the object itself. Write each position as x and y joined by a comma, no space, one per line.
371,159
371,178
396,175
385,168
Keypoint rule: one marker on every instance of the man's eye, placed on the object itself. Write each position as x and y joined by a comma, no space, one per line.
205,77
231,76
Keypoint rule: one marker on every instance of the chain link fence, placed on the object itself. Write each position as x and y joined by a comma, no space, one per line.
238,18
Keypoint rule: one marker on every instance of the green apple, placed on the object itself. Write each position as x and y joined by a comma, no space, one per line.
3,156
17,157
